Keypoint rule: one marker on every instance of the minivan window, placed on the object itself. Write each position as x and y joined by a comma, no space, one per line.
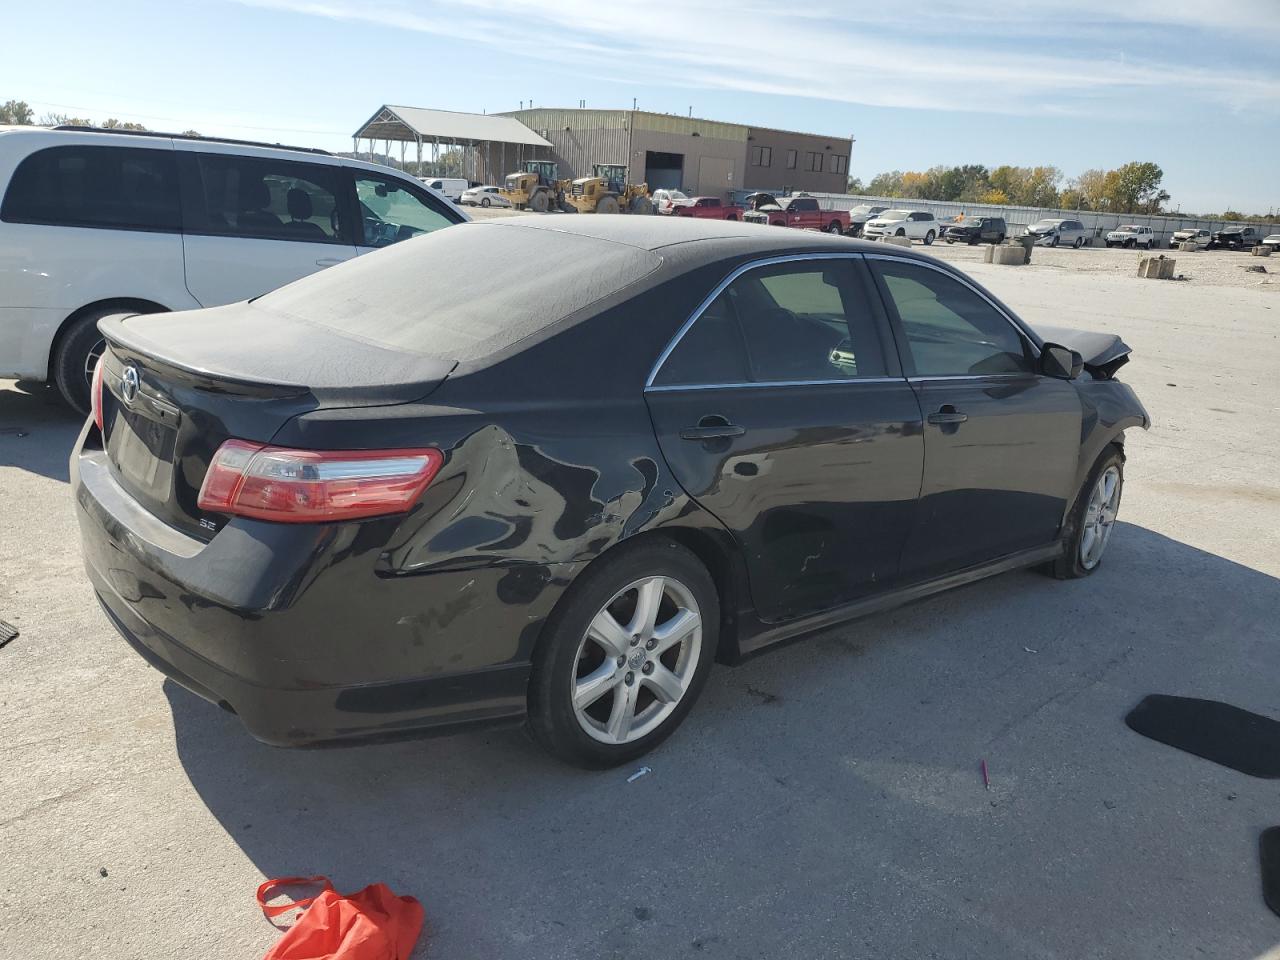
266,198
390,211
122,188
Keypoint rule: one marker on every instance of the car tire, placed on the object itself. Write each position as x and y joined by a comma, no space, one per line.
598,733
928,238
900,233
1078,244
999,239
484,201
77,351
1054,241
1082,555
834,227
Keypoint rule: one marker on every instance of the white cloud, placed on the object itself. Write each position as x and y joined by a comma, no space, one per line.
1054,55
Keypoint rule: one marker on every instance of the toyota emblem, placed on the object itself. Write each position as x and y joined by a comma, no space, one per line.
129,383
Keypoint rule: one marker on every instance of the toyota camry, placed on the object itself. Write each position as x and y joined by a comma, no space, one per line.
397,497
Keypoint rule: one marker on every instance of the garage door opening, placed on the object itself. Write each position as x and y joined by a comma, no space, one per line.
663,171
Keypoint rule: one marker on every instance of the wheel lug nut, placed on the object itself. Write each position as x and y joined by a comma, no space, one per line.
630,678
651,644
622,661
634,641
648,667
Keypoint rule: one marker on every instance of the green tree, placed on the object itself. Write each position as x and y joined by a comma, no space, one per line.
62,119
1039,187
1092,187
16,112
995,196
856,186
1071,199
886,184
114,124
1135,188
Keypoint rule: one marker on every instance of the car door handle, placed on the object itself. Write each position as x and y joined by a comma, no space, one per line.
713,431
329,261
947,414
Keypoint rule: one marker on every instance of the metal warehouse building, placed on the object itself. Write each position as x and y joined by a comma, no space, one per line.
699,156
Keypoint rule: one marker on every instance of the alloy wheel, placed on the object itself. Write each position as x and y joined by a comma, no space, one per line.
637,660
91,359
1100,517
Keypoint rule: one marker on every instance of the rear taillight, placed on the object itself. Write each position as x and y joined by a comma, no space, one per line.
314,486
95,394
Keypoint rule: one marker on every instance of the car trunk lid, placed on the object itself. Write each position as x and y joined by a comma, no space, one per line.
176,386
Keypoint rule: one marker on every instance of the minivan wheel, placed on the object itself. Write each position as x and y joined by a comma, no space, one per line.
624,655
1092,518
76,355
928,238
1079,243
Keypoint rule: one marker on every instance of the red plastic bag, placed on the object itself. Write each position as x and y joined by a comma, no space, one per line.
373,924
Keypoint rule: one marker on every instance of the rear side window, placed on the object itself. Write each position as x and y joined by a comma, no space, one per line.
792,322
266,199
122,188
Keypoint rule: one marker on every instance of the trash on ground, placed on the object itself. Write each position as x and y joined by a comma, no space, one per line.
986,780
643,771
371,924
7,632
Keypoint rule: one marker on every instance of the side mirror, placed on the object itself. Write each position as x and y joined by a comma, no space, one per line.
1061,362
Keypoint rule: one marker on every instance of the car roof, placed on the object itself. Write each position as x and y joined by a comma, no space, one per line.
700,240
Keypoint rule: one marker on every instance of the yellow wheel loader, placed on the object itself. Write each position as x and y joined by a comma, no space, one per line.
536,187
608,192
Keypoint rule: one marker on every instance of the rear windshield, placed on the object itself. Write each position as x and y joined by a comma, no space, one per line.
465,292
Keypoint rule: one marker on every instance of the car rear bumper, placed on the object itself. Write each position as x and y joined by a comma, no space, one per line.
298,633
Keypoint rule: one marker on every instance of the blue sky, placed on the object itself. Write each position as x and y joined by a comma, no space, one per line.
1190,84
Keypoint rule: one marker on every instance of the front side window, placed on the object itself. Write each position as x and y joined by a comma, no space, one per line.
951,330
801,321
269,199
390,212
122,188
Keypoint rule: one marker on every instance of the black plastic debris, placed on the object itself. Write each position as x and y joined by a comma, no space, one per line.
7,632
1216,731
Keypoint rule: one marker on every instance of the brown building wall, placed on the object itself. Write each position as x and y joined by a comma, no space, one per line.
710,157
767,159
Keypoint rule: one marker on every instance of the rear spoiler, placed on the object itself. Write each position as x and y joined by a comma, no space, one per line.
1104,353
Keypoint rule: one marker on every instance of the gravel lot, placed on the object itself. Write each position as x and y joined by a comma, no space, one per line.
823,800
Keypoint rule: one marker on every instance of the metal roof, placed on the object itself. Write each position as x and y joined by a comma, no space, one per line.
447,126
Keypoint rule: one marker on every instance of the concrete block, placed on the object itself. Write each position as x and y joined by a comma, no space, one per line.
988,255
1010,254
1262,250
1188,246
1156,268
897,241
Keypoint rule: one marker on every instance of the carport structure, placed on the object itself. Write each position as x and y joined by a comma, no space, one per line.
475,146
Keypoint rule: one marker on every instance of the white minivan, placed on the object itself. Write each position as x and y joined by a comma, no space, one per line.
95,222
451,187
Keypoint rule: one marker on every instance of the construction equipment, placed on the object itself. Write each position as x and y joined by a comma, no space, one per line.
536,187
608,192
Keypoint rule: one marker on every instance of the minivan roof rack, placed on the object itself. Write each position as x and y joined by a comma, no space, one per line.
80,128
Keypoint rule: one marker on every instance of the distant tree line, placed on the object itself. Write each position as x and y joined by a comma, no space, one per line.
19,113
1131,188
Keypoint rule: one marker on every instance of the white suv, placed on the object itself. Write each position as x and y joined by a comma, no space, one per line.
94,223
913,224
1131,235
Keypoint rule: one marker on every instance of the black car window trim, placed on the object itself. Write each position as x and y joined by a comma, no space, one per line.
1031,338
719,289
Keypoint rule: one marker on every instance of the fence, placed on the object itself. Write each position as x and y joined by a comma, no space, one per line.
1097,223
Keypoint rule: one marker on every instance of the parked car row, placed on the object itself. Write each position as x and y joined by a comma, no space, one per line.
95,223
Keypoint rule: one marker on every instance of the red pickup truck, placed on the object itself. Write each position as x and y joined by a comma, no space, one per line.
801,212
708,208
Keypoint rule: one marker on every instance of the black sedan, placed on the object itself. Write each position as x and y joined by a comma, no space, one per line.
976,230
552,468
